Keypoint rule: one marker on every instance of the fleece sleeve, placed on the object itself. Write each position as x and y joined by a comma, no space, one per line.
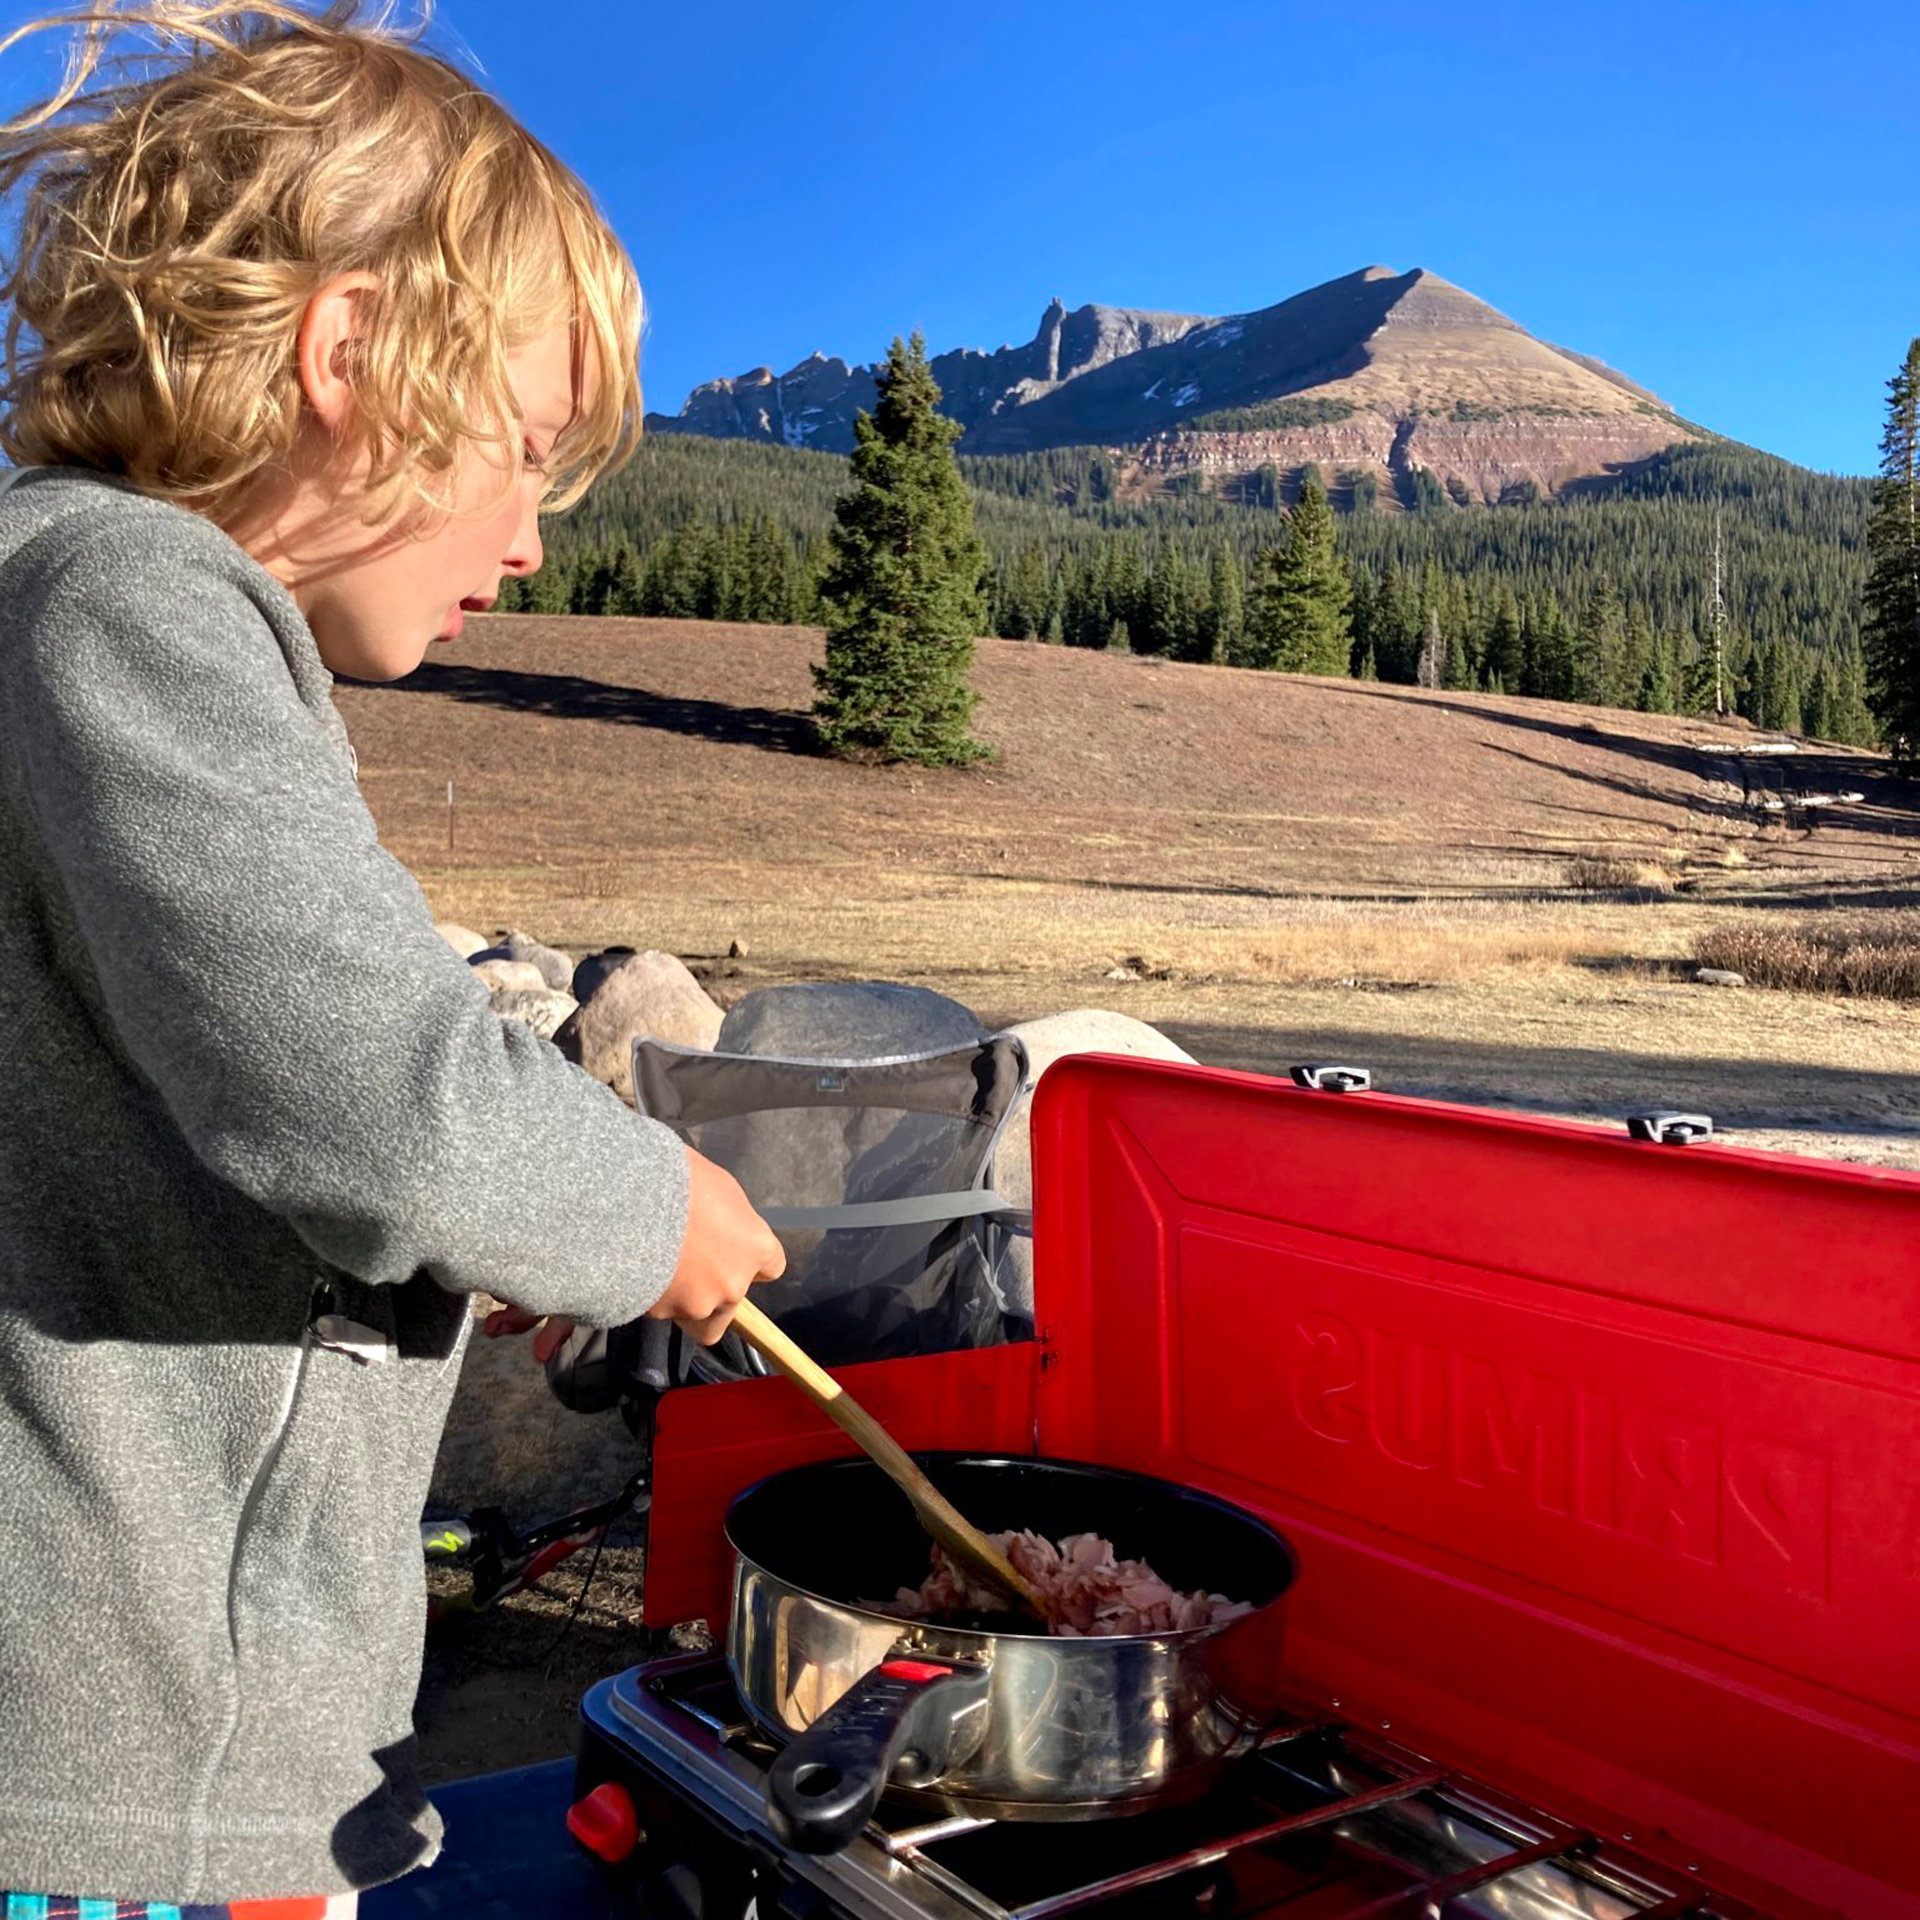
276,974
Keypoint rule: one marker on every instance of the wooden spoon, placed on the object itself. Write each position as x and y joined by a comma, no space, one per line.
966,1543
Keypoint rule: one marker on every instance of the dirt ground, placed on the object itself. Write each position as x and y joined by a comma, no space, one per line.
1271,869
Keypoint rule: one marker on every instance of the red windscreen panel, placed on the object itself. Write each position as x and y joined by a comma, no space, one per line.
1602,1459
710,1443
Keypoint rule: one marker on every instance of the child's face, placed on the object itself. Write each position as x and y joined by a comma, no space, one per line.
376,620
378,600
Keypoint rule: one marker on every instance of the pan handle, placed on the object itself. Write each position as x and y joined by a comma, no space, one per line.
910,1719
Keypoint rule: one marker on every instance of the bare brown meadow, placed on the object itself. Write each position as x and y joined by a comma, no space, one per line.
1487,899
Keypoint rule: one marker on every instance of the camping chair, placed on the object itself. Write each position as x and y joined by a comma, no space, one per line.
877,1177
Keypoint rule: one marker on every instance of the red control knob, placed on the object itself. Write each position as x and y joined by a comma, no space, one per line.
605,1822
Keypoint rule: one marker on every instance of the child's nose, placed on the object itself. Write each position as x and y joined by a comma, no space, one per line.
524,551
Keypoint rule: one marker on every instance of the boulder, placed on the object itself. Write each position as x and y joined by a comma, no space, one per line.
588,975
556,970
463,940
845,1020
1085,1030
509,975
545,1012
646,993
509,1443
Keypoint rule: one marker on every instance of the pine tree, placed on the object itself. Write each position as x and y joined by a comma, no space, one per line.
1024,589
902,590
1129,589
1169,624
1506,660
551,589
1699,680
1432,670
1777,691
1299,621
1636,661
623,595
1457,623
1530,682
1659,685
1397,626
769,573
1891,626
1228,597
1821,700
1553,651
1597,649
1852,719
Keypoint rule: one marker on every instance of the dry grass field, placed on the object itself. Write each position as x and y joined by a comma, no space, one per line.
1485,899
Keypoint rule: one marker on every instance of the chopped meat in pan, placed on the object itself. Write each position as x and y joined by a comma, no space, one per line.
1087,1590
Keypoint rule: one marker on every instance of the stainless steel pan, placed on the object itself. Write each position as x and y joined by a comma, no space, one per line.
990,1716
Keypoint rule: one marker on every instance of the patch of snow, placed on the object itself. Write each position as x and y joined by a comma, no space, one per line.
1187,395
1217,336
1151,391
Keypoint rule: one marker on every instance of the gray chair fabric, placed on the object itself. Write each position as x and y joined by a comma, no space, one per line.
877,1176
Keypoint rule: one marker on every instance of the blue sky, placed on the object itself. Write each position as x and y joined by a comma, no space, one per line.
1719,199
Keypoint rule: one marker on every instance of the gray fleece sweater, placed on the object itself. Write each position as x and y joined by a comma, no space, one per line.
249,1095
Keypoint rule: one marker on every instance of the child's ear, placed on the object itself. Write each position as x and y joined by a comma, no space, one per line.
326,347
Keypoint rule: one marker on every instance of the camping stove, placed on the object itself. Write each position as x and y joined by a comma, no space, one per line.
1326,1821
1597,1455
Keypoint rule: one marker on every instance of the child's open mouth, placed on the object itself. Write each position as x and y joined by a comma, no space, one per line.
457,620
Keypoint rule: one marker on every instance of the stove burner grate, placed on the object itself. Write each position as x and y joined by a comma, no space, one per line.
1324,1822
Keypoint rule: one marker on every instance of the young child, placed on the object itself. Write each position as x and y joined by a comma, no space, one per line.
305,331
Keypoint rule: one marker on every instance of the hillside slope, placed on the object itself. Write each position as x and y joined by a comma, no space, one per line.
663,742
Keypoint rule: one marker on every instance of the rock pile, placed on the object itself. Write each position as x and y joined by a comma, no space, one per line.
508,1441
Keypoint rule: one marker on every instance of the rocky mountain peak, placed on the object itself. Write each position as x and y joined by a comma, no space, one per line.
1357,373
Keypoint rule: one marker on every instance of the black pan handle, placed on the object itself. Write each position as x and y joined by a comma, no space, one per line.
910,1719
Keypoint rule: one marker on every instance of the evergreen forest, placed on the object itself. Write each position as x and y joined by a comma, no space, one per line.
1605,594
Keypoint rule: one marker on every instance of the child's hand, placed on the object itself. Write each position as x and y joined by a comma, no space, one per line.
727,1248
509,1320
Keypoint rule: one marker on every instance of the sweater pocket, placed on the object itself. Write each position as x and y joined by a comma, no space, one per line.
328,1594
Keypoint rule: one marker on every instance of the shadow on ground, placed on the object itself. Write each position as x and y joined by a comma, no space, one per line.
568,696
1889,804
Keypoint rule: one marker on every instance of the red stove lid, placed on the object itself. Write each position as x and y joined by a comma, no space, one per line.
1602,1458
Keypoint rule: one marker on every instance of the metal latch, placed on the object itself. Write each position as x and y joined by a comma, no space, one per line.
1325,1079
1671,1129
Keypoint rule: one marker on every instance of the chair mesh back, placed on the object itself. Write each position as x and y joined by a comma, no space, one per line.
852,1138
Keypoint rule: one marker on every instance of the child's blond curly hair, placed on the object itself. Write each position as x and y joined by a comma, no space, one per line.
176,217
